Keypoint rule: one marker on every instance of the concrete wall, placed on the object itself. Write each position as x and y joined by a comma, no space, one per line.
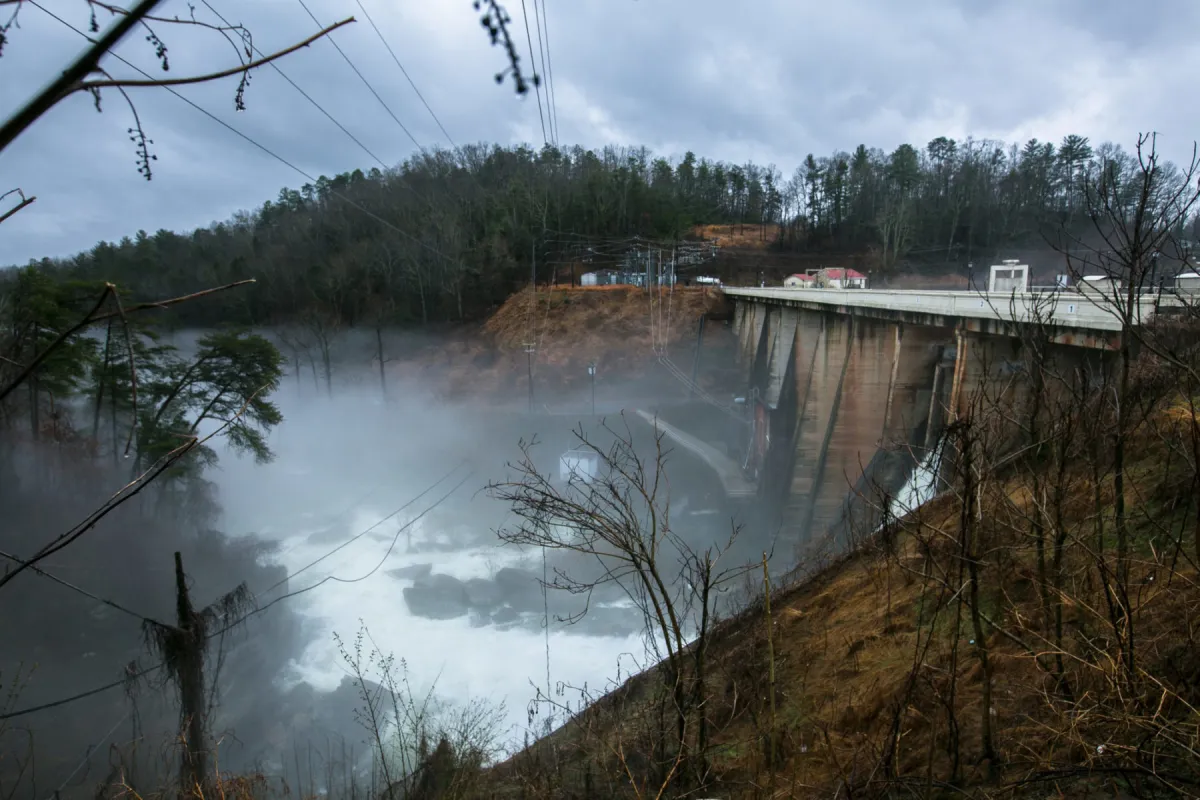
838,390
846,406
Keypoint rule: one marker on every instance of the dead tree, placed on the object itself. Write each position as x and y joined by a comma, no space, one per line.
1136,207
620,519
183,647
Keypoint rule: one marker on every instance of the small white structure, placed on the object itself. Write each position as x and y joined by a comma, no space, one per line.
799,282
1098,286
1187,282
1009,276
579,465
837,278
587,279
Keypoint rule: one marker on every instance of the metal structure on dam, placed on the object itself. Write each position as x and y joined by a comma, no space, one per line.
849,390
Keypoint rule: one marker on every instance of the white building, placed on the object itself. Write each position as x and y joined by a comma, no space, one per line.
1009,276
838,278
1099,286
579,465
1187,281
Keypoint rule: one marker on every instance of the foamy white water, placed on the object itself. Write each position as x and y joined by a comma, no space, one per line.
465,660
920,488
345,464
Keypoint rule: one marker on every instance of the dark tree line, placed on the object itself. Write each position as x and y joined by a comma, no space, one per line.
446,236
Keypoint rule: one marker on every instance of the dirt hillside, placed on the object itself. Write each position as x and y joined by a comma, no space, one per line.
621,329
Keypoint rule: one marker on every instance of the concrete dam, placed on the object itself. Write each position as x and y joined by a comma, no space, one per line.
846,392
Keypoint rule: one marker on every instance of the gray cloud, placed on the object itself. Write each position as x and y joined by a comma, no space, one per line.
769,80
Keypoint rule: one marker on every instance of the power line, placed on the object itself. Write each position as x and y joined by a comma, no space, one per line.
305,94
428,108
371,572
378,32
262,147
403,127
550,76
132,675
350,541
402,179
362,78
90,751
80,590
542,52
537,88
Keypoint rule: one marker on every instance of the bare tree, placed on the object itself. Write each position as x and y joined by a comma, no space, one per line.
402,723
618,521
1137,208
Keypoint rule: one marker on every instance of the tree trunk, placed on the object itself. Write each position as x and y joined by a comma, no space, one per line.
112,421
424,302
100,386
34,421
379,354
193,768
327,365
1119,512
701,694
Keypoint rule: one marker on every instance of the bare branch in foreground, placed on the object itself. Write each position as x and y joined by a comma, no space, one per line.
24,201
212,76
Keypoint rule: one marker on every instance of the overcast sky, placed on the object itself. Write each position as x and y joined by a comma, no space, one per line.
762,80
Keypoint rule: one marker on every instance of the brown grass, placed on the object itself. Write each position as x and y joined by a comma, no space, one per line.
753,237
846,642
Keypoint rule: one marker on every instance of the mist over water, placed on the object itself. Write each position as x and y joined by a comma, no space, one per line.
372,515
440,591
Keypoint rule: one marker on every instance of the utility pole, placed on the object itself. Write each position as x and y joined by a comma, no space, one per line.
530,347
696,358
530,344
592,373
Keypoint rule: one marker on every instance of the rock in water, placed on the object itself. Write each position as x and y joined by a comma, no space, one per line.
437,597
520,588
485,595
413,572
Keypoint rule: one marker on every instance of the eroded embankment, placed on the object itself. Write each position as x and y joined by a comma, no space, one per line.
624,331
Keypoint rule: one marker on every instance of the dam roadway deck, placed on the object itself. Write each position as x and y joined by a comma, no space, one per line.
1076,318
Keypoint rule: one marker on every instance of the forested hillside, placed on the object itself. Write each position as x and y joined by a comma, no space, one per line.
448,235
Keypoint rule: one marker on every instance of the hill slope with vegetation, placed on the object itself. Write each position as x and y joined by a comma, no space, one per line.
449,235
1030,632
